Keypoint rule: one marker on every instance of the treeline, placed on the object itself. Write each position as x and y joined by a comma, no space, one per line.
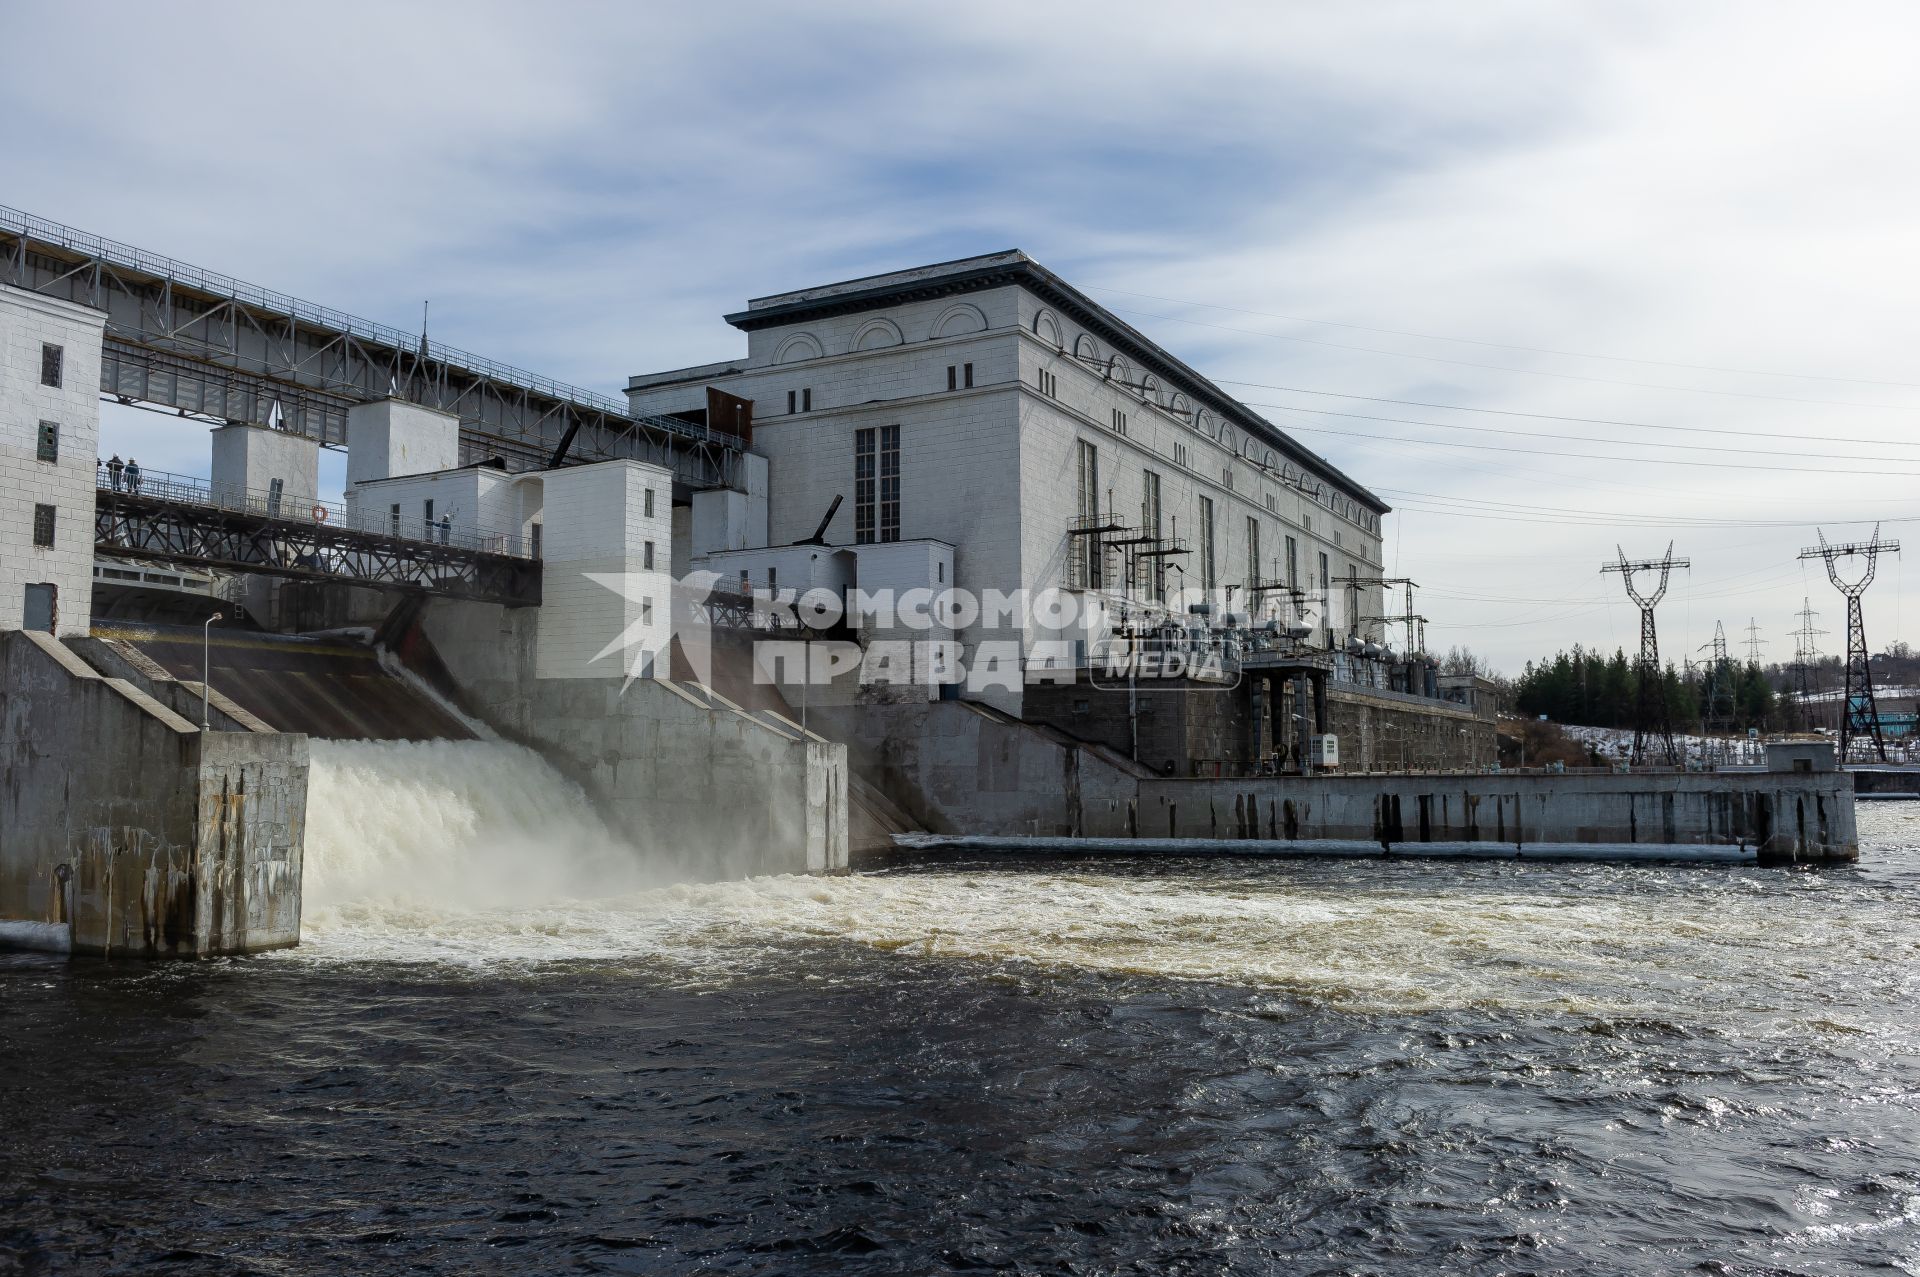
1593,690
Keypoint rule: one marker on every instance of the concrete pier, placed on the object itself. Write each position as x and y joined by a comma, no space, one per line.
128,831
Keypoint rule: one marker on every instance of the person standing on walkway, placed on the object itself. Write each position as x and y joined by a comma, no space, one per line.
133,476
114,466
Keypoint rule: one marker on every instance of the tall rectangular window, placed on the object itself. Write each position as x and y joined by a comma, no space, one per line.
648,503
646,556
52,358
1206,544
426,514
966,375
806,399
1155,566
889,483
533,540
1089,548
876,484
953,377
1293,563
276,489
1326,596
49,449
793,401
393,519
43,516
1253,558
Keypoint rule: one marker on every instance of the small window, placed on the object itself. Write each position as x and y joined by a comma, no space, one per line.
1049,384
49,441
426,512
646,611
793,397
1119,422
746,586
806,399
52,358
773,580
648,503
953,377
276,489
940,573
393,519
966,375
646,556
533,540
43,525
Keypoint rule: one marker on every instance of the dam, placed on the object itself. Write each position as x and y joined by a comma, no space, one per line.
544,643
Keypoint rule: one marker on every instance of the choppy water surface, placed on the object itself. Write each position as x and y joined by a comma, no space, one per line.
1181,1067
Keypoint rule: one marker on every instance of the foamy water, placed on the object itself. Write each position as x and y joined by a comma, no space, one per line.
479,855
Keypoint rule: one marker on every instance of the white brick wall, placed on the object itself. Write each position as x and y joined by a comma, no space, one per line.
27,320
247,459
595,521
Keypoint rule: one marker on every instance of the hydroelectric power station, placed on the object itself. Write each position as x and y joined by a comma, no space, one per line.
950,553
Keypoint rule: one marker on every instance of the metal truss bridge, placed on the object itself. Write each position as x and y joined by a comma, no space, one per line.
204,343
173,519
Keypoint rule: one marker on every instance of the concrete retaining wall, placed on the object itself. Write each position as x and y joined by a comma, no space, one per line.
960,767
717,790
1785,816
125,826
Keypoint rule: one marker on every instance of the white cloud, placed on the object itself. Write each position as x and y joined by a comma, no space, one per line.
586,189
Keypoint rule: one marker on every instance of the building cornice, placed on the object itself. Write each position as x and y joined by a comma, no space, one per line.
1096,319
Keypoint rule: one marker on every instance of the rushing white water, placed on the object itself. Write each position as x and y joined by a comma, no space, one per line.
459,825
481,855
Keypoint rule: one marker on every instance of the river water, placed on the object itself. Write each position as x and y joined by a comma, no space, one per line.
1206,1066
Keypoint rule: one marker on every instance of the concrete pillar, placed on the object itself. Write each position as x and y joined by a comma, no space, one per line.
729,519
393,437
49,442
248,460
607,550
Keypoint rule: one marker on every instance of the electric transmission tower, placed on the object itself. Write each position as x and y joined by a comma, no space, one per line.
1858,714
1754,641
1652,715
1716,718
1805,655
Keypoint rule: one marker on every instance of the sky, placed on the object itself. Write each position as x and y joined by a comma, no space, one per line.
1550,279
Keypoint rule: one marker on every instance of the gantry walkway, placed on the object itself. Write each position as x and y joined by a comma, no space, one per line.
180,519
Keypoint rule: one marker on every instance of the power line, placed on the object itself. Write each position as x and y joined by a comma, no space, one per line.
1525,372
1594,456
1588,421
1503,345
1625,443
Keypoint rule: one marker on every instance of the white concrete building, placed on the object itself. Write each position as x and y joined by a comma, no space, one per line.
604,532
49,437
988,405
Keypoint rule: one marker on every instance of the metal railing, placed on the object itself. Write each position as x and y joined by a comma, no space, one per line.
219,285
159,485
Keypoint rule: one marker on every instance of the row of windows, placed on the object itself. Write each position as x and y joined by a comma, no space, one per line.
1087,563
1147,390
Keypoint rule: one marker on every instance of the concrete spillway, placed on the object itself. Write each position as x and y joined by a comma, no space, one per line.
331,687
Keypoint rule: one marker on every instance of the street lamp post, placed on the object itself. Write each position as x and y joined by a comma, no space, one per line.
206,666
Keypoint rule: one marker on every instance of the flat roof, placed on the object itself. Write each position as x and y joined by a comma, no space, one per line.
1013,267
